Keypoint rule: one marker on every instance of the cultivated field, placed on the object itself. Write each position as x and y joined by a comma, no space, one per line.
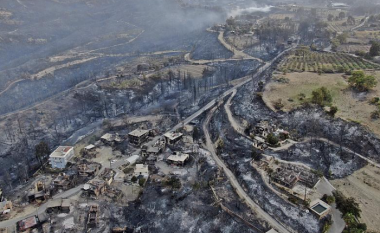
364,186
242,42
366,34
325,62
348,48
337,26
352,106
281,16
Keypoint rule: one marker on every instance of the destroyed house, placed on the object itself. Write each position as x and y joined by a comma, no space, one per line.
286,177
178,158
58,205
94,187
264,128
173,137
111,139
108,175
65,180
138,136
26,225
5,207
308,178
88,169
259,143
150,150
61,156
93,216
38,193
90,148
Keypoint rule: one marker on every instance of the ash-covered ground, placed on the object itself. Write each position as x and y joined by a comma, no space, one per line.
193,208
208,48
237,155
324,157
311,123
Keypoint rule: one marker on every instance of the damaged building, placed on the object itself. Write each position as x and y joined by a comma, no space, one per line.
5,207
88,169
289,175
108,175
178,159
65,181
138,136
173,137
264,128
38,192
93,216
94,188
111,139
156,149
58,206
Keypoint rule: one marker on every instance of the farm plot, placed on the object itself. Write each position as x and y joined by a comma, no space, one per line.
342,26
295,89
324,62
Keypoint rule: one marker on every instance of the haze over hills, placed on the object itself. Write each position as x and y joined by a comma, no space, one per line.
130,116
90,35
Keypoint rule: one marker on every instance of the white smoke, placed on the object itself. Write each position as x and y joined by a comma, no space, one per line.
239,11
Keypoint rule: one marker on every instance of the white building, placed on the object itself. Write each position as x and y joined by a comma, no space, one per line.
60,157
132,160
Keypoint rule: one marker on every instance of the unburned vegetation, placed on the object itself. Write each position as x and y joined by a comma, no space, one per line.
303,59
296,89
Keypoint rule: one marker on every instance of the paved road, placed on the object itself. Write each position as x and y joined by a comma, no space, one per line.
360,25
239,190
228,92
70,192
41,209
338,224
230,116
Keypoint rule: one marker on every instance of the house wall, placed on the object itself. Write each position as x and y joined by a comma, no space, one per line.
62,161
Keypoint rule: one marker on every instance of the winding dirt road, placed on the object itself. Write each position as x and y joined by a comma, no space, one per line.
238,188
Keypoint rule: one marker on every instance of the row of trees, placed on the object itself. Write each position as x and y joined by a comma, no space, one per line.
351,212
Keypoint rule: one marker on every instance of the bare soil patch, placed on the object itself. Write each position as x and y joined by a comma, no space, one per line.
352,105
364,186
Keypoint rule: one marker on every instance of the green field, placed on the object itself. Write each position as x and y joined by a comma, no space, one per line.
324,62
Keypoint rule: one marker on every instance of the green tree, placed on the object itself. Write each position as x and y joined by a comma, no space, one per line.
41,150
335,44
330,17
347,205
342,38
330,199
342,15
134,179
362,82
321,96
375,49
272,139
142,182
333,111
